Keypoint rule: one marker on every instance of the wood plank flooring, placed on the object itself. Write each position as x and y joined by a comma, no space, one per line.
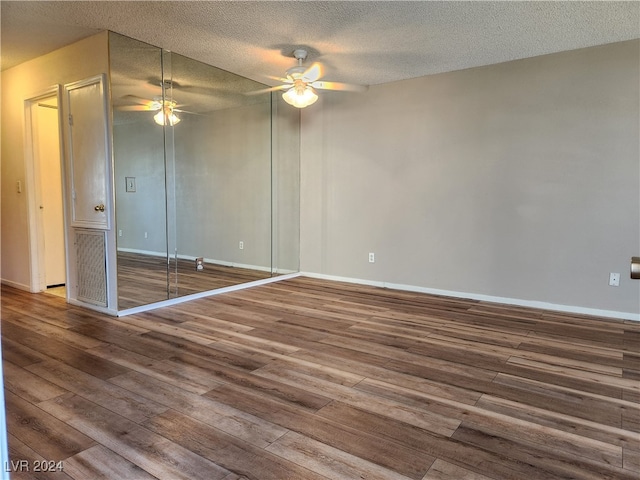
309,379
142,279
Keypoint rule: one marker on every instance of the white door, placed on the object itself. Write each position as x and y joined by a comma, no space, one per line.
89,162
89,159
46,148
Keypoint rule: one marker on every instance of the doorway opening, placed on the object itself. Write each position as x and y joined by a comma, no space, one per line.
45,194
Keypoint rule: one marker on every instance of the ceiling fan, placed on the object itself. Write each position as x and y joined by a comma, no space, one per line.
166,109
301,82
164,105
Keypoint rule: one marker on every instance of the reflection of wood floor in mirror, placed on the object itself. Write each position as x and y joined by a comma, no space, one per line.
142,279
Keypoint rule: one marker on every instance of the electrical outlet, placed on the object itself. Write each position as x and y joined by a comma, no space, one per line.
241,245
614,279
146,235
119,233
372,257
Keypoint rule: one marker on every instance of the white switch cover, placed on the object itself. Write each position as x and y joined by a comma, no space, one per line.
614,279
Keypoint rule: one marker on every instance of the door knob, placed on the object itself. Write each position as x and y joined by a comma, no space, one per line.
99,208
635,268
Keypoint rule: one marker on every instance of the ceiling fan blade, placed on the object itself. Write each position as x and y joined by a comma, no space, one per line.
179,110
270,89
313,73
346,87
138,100
135,108
280,79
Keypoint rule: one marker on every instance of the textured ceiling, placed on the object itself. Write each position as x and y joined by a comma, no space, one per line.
358,42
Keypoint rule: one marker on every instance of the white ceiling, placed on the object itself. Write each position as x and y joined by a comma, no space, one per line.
359,42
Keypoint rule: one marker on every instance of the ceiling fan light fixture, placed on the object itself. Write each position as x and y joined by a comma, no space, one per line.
300,97
166,117
300,85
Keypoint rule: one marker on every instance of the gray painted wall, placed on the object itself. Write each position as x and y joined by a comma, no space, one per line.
285,138
222,186
138,152
519,180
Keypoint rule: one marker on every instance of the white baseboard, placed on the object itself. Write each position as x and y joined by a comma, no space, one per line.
212,261
485,298
19,286
71,301
224,263
90,306
209,293
142,252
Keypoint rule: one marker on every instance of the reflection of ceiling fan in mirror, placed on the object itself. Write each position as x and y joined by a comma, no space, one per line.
302,82
166,109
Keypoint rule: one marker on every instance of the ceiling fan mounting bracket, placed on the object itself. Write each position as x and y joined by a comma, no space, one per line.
300,54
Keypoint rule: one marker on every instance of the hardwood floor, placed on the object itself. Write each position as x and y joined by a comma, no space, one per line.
309,379
142,279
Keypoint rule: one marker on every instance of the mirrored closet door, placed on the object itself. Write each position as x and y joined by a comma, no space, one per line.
206,176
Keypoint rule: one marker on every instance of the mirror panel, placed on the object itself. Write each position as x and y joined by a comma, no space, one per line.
219,182
139,173
221,167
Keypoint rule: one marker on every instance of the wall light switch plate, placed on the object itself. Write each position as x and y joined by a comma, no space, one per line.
614,279
130,184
